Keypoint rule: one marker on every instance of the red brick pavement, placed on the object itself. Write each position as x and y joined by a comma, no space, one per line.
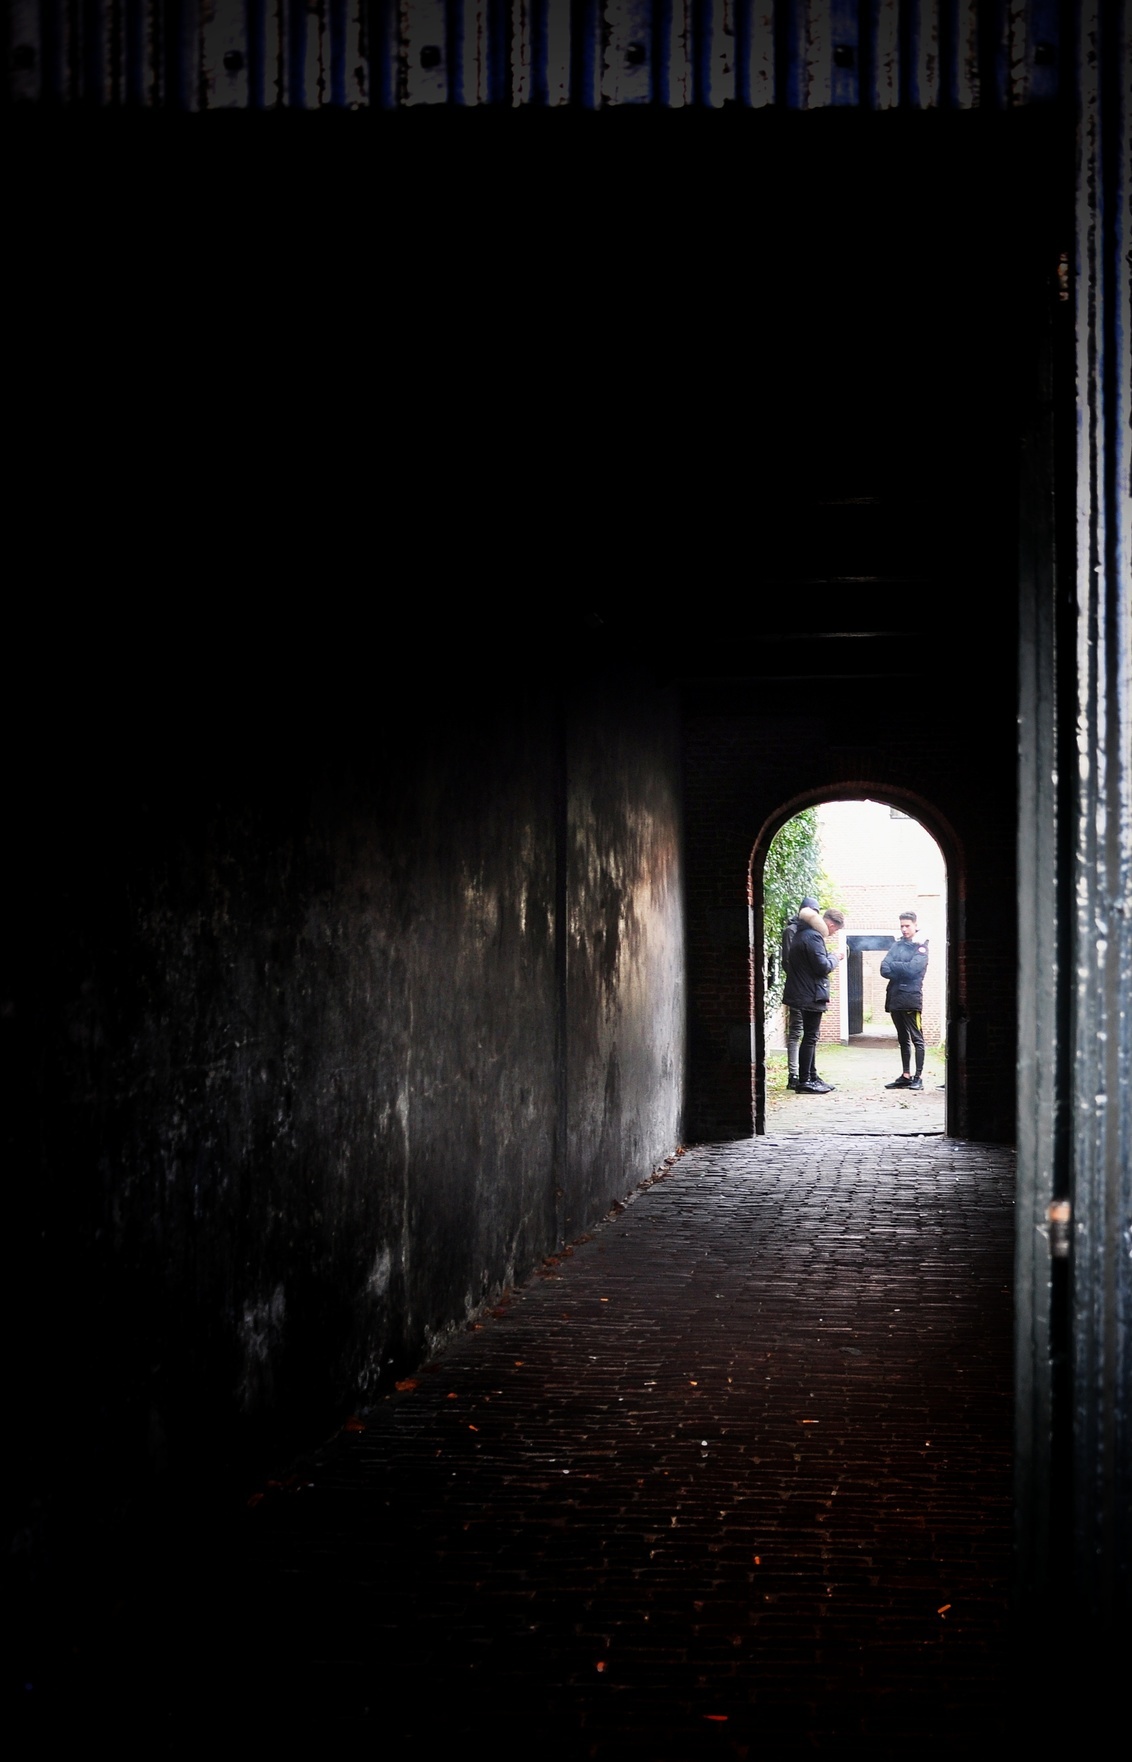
731,1478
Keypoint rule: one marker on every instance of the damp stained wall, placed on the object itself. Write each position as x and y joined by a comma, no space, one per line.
625,941
305,1074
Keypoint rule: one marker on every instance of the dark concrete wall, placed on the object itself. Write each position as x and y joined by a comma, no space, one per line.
303,1074
625,948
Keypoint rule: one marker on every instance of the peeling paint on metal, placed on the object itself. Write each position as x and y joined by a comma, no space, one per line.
314,54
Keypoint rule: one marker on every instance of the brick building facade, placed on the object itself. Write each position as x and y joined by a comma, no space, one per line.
882,862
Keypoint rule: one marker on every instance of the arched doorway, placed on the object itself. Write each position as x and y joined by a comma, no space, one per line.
883,852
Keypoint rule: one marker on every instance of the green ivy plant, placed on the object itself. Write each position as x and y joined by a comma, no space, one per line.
793,868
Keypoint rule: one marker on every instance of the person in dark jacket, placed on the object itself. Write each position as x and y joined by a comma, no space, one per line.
793,1013
808,967
904,967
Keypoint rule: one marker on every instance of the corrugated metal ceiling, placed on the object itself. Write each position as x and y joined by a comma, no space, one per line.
350,54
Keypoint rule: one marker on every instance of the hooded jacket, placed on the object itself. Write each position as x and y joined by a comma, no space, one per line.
904,967
790,930
809,963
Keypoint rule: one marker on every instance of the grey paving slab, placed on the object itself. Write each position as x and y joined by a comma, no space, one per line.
860,1103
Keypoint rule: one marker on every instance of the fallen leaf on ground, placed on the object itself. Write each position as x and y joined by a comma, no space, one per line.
406,1384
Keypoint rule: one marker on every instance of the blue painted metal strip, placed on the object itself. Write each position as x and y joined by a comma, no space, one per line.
383,54
133,53
586,20
454,27
257,54
701,53
661,52
845,52
337,23
742,14
498,52
790,52
296,54
539,84
1043,19
51,51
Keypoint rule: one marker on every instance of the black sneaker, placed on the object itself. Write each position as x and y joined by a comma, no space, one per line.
792,1082
901,1083
814,1089
830,1086
916,1083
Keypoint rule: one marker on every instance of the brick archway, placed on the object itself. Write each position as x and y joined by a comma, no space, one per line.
949,846
750,765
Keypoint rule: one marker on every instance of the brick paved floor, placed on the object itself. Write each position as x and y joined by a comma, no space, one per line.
730,1478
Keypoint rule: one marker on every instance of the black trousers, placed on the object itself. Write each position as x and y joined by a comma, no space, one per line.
910,1033
811,1028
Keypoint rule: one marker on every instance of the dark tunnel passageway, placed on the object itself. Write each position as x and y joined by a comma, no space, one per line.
507,517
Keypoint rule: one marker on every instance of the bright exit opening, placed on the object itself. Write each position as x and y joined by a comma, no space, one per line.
871,861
